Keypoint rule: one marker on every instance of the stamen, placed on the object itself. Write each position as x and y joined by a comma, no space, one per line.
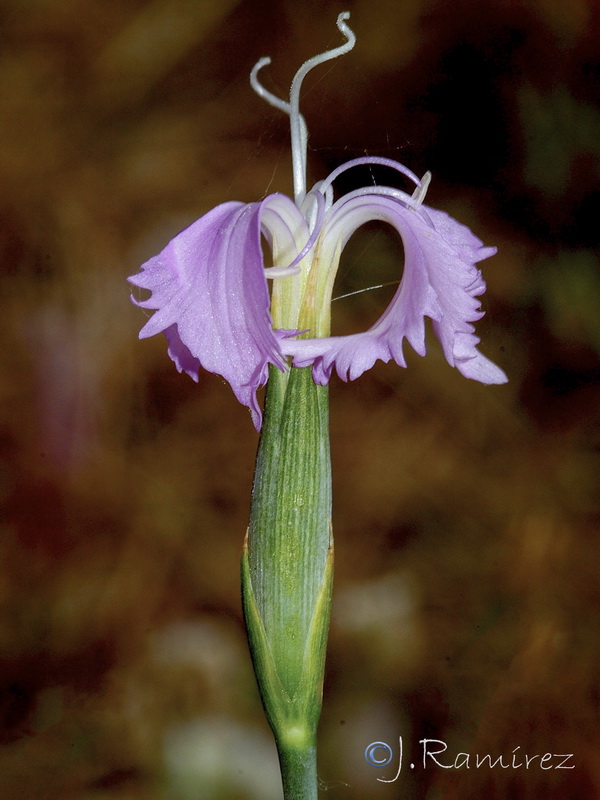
419,193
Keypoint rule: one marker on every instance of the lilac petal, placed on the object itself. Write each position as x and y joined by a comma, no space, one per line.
440,281
184,360
210,294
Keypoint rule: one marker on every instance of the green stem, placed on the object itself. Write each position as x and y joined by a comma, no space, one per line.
298,764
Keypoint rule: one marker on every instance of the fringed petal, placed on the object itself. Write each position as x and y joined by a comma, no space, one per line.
440,281
209,289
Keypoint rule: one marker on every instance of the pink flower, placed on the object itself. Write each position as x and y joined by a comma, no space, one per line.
209,285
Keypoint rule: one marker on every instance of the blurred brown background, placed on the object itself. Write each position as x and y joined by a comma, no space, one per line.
467,602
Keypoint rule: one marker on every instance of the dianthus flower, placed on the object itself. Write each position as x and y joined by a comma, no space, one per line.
211,298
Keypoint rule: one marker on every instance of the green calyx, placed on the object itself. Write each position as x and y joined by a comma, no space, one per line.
293,711
287,568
